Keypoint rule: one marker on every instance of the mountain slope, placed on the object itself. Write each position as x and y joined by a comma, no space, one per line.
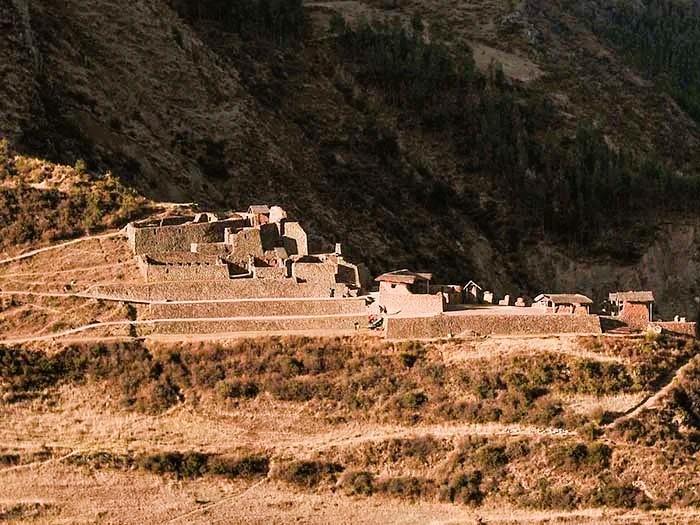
181,109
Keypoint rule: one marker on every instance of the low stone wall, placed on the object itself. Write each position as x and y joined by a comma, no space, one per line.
254,325
522,324
212,290
678,328
212,248
270,272
271,307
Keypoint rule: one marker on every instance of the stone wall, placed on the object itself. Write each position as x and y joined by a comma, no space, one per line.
399,299
269,236
180,237
311,272
213,248
635,315
678,328
246,242
294,239
485,324
185,272
213,290
270,272
345,322
256,308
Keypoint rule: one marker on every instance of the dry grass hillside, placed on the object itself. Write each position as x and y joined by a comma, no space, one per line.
178,109
350,430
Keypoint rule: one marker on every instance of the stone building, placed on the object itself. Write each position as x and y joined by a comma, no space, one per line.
559,303
634,308
259,244
407,292
474,294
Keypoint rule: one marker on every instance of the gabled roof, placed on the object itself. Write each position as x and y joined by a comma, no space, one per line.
632,297
564,298
472,282
259,209
404,276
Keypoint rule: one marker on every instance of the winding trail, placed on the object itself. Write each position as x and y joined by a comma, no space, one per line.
37,251
654,399
106,324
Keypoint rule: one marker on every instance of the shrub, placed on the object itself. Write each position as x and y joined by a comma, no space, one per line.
573,456
80,166
612,493
240,467
188,464
413,399
308,473
194,464
463,487
407,487
8,459
162,462
491,457
548,497
357,483
237,389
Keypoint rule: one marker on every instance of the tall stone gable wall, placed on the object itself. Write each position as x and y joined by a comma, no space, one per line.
635,315
444,325
294,239
159,239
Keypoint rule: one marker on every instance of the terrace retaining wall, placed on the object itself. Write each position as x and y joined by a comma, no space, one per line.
678,328
523,324
271,307
213,290
154,273
346,322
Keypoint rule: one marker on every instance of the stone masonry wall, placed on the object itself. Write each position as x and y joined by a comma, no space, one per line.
177,237
678,328
444,325
256,325
185,272
294,239
271,307
270,272
322,273
212,290
409,303
635,315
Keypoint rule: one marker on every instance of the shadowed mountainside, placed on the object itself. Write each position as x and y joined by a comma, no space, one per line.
490,177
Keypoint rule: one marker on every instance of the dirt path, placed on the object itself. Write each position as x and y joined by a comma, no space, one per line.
129,323
37,251
358,435
503,345
653,400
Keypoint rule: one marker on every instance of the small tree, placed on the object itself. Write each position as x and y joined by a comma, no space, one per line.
80,166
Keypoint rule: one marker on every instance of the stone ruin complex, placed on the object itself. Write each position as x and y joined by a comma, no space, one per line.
258,253
254,271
